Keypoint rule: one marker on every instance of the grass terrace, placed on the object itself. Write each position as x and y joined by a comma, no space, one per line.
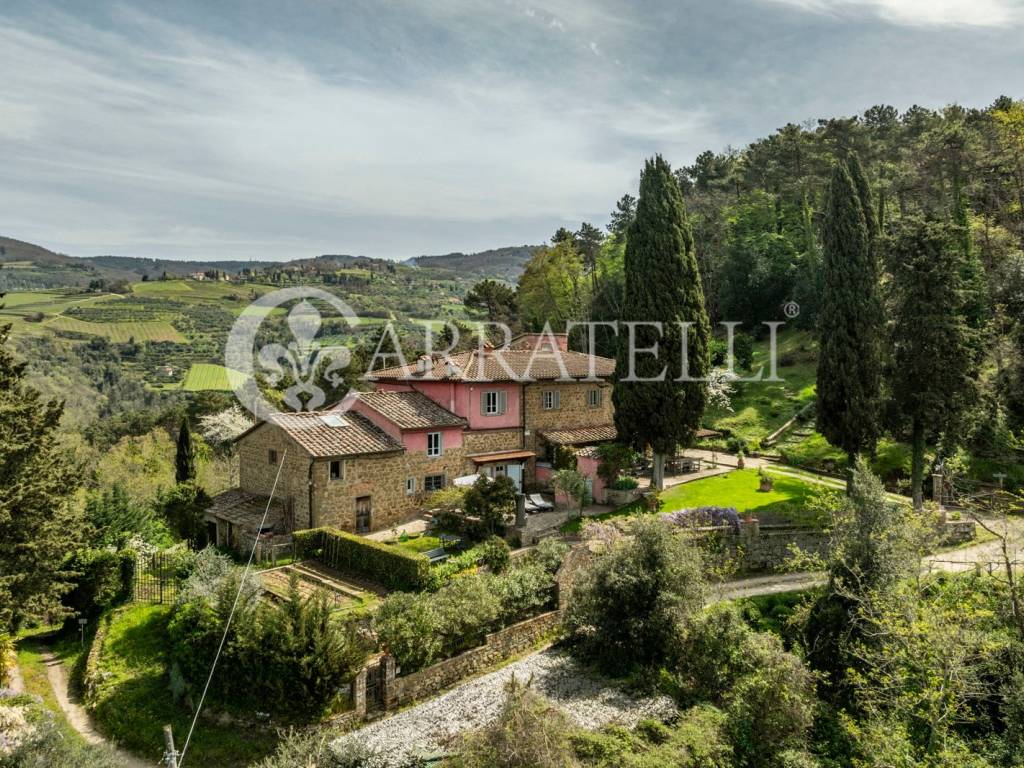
759,408
786,503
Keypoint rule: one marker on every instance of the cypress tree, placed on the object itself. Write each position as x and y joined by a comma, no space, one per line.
932,372
972,273
662,284
185,456
867,206
849,367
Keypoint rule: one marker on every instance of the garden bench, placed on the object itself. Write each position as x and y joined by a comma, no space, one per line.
436,555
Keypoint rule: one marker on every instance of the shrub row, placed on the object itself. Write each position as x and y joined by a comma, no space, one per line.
101,580
420,629
392,567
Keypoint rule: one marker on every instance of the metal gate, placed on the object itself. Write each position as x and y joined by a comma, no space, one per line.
156,578
375,686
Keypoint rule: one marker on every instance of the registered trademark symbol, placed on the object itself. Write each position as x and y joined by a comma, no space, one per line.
791,309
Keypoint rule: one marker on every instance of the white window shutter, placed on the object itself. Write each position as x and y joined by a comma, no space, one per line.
502,401
556,397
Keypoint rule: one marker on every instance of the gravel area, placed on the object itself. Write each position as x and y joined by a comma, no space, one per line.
590,700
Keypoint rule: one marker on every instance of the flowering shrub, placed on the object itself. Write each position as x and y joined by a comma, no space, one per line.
699,517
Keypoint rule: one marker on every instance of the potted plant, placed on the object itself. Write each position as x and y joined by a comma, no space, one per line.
767,483
740,463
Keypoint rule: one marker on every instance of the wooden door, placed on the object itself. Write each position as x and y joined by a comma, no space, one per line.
364,515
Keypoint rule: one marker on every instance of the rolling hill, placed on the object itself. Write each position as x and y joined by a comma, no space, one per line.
506,263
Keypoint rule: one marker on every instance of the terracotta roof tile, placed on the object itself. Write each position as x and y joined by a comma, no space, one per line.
580,435
326,433
503,365
410,410
246,509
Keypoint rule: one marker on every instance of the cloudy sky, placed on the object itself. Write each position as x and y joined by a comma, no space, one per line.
276,130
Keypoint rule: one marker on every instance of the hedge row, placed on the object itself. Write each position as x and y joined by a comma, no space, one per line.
393,567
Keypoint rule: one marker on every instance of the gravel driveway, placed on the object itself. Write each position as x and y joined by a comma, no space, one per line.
591,701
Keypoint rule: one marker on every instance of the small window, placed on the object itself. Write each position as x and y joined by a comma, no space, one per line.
594,398
434,444
494,402
272,456
337,470
433,483
410,486
550,399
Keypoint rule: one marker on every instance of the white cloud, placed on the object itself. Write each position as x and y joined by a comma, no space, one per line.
967,13
188,124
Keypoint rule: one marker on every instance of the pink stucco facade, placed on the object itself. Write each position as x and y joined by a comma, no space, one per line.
463,399
412,440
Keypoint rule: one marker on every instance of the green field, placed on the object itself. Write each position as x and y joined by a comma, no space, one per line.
120,333
203,377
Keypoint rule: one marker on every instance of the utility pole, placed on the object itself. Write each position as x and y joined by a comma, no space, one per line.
170,754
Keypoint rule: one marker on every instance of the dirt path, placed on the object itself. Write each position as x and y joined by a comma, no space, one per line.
76,714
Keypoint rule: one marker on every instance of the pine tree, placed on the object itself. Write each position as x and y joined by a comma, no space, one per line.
39,526
622,216
662,284
185,456
932,356
849,369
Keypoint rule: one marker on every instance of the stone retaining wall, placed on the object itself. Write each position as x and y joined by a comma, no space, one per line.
766,547
959,532
499,646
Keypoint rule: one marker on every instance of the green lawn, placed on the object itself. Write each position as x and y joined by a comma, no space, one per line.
133,702
786,503
737,489
422,543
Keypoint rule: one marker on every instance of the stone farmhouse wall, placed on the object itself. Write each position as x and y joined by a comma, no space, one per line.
492,440
382,478
256,474
573,409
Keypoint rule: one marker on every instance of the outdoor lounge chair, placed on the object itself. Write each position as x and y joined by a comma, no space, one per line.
538,501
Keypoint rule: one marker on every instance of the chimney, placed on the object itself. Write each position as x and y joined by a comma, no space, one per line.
424,364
